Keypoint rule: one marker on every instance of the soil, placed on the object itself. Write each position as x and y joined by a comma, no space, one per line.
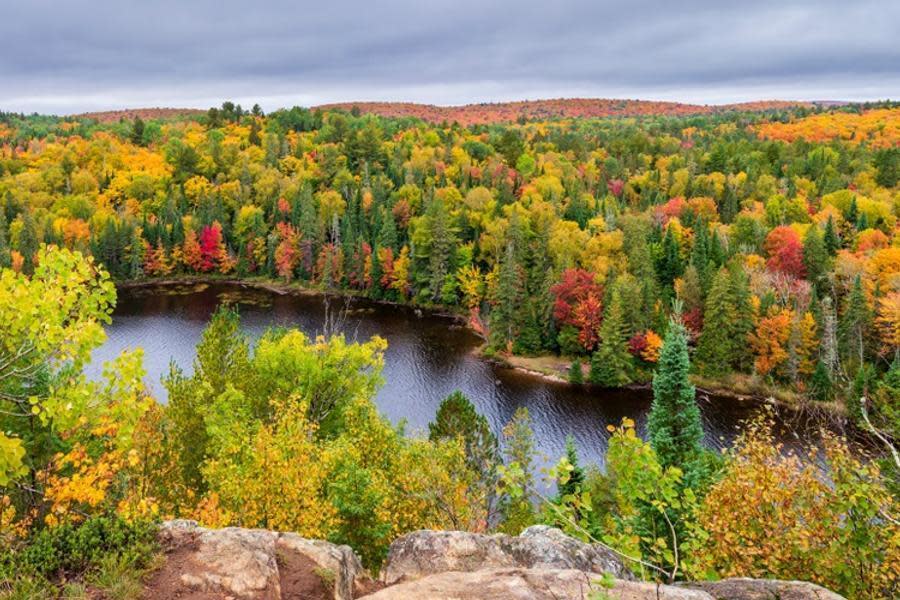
302,579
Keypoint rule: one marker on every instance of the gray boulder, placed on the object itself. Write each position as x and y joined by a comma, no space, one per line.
422,553
742,588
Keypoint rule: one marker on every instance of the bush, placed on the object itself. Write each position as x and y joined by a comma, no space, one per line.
72,549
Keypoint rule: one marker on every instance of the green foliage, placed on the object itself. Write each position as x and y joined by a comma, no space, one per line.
674,424
611,364
73,549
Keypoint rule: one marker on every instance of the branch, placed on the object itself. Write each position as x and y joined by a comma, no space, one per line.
878,434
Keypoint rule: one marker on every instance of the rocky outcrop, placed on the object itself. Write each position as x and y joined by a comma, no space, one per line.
422,553
541,563
742,588
253,564
533,584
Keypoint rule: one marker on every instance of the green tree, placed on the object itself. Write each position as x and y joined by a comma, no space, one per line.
611,364
855,324
576,375
516,478
674,424
830,238
457,418
815,257
727,323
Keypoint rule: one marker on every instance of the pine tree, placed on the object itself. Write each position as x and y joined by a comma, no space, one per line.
28,242
727,322
457,417
5,257
855,323
820,385
576,376
670,266
861,388
508,299
674,425
815,256
611,364
831,240
575,481
440,250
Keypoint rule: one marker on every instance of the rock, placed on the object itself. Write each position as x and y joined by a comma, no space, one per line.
253,564
423,553
349,574
742,588
531,584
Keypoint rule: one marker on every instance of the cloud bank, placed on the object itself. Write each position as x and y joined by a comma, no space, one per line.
68,56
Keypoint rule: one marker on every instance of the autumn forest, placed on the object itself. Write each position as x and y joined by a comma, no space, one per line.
753,250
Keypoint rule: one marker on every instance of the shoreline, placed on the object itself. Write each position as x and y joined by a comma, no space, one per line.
550,368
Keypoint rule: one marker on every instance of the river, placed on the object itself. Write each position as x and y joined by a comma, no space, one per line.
428,357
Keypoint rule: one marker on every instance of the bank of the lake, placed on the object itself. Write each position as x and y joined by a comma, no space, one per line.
740,387
429,355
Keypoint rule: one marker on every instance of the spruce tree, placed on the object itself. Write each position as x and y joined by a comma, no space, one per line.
5,257
715,347
815,257
457,418
820,385
575,481
670,266
576,375
854,324
830,238
674,424
611,365
508,299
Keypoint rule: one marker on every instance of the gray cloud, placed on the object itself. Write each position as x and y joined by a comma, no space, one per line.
67,56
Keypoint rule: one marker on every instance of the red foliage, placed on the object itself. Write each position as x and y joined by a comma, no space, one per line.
637,344
785,252
578,304
615,187
587,317
212,247
673,208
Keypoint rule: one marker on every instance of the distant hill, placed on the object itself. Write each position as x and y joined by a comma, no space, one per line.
491,112
501,112
113,116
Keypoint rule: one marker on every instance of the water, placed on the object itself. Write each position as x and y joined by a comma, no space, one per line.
428,357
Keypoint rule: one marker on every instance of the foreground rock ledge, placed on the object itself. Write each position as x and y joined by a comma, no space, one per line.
253,564
531,584
540,564
427,552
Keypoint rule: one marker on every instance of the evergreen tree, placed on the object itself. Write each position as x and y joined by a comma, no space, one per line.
815,257
830,238
28,242
575,481
727,322
854,324
440,250
611,364
674,424
820,385
669,266
5,260
137,132
576,375
861,388
509,297
457,418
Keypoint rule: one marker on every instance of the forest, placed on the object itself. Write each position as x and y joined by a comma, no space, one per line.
744,249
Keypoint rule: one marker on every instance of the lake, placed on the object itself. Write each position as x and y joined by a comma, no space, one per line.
428,357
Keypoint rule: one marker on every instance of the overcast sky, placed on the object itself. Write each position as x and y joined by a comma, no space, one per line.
64,56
